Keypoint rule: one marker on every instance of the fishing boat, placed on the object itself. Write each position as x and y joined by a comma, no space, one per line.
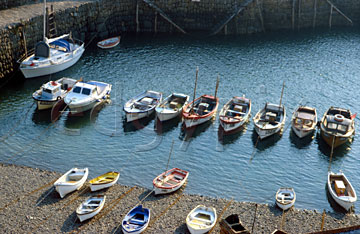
91,207
52,92
104,181
170,181
201,219
337,126
142,105
269,120
285,198
85,95
232,225
200,110
341,190
72,180
109,43
171,106
235,113
136,221
52,55
303,121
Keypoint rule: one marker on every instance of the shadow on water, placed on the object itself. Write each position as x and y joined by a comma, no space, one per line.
300,143
264,143
78,121
41,117
324,148
229,138
137,124
187,134
166,126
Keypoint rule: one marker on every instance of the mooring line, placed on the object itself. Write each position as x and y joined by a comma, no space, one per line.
105,211
28,194
219,216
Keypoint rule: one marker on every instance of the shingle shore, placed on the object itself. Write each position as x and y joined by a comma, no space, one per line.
55,215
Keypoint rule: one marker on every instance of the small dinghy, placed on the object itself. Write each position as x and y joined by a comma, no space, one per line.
85,95
142,105
341,190
337,123
233,225
52,92
136,221
172,106
201,219
269,120
170,181
72,180
104,181
91,207
200,110
303,121
285,198
109,43
235,113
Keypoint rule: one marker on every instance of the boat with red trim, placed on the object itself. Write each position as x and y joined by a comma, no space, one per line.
170,181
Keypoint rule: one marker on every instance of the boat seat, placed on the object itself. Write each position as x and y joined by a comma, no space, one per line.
136,221
76,176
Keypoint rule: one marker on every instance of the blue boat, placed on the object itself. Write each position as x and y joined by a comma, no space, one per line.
136,221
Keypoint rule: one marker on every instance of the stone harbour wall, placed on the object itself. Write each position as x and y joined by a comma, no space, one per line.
89,20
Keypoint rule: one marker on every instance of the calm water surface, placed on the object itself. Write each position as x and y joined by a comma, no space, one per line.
320,69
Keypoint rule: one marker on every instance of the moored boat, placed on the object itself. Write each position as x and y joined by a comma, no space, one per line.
142,105
303,121
200,110
52,92
235,113
232,225
285,198
171,106
91,207
341,190
72,180
201,219
104,181
269,120
170,181
337,126
136,221
109,42
85,95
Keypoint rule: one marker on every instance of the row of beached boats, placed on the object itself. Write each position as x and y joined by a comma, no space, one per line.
200,220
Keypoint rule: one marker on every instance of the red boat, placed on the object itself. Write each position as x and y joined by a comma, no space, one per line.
170,181
109,43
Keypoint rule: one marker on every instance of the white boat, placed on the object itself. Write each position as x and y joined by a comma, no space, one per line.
83,96
142,105
109,43
303,121
136,221
91,207
171,106
170,181
285,198
269,120
203,109
201,219
235,113
72,180
341,190
104,181
52,92
52,55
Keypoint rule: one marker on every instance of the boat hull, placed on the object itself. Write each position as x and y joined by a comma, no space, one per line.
330,138
192,122
229,127
302,133
264,133
31,72
83,217
159,191
167,116
285,207
138,115
98,186
63,190
81,108
44,105
345,202
64,187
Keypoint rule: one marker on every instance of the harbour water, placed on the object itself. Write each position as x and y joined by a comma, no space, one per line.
320,69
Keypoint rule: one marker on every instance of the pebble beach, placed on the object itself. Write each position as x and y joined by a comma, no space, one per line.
29,204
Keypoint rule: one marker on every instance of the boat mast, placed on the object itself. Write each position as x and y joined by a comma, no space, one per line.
217,85
44,36
193,102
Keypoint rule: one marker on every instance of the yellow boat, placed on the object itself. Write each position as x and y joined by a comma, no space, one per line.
104,181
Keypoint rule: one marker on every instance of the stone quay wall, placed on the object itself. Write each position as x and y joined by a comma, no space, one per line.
89,20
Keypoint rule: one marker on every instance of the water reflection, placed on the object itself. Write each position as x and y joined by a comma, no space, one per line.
264,143
187,134
338,152
137,124
166,126
229,138
301,143
41,117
